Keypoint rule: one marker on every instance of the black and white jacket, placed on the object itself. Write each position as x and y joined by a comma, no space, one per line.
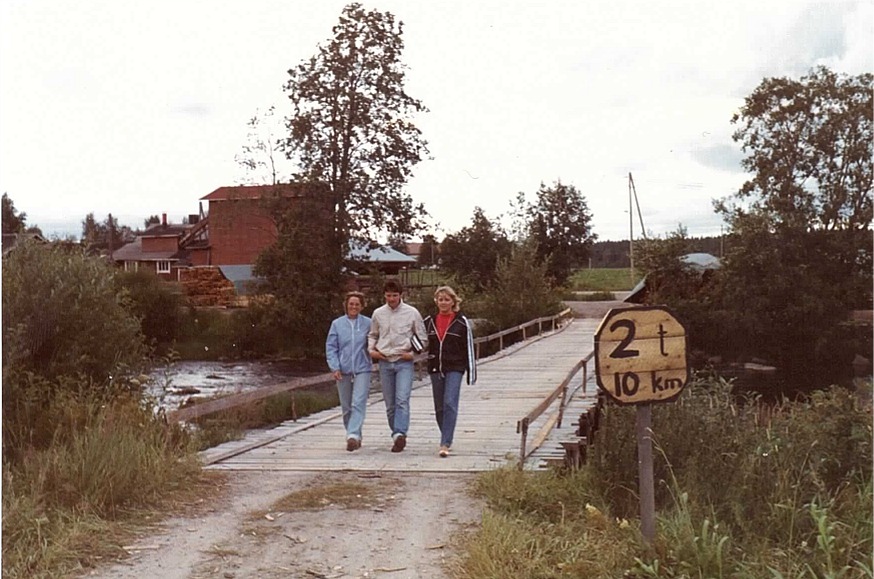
455,352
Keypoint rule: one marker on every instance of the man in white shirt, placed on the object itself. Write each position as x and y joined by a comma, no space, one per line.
397,333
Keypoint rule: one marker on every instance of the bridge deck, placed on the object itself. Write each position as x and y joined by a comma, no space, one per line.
510,385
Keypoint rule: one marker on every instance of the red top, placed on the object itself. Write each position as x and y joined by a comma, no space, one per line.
442,323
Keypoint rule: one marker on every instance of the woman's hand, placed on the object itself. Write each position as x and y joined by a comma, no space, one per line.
407,356
337,375
376,355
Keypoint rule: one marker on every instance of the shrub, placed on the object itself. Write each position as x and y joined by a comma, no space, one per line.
155,303
741,458
521,290
62,315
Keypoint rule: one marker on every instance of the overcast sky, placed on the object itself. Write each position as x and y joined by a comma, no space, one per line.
140,108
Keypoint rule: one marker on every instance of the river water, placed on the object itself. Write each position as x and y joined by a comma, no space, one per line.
172,385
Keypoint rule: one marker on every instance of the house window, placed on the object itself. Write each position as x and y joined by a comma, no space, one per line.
131,266
163,267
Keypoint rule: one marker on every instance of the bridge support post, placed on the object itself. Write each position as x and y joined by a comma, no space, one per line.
522,427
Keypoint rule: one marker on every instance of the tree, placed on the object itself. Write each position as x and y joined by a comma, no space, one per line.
429,253
559,221
351,128
799,252
104,235
303,281
472,254
13,221
150,220
259,157
521,291
809,145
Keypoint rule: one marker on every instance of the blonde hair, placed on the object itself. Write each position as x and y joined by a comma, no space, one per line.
350,295
445,289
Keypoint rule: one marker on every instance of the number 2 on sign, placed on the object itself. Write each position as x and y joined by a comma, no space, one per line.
622,350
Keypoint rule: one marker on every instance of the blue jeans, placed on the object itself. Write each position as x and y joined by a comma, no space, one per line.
396,379
446,390
353,390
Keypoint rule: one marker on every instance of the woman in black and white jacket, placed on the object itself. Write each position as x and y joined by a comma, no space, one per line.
450,355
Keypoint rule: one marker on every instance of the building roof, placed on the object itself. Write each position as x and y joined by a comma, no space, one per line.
701,261
133,251
168,229
255,191
10,240
380,254
241,276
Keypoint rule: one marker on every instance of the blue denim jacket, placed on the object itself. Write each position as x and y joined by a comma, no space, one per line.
346,346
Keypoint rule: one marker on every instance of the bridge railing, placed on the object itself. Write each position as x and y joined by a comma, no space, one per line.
561,391
214,405
524,330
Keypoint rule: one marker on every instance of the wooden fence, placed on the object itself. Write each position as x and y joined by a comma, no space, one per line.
561,390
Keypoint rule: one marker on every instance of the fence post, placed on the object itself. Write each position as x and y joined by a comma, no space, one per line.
524,429
585,374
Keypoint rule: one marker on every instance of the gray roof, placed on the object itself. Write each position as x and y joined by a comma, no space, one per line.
701,261
380,254
241,276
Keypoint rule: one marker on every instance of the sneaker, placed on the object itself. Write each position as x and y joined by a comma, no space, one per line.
444,451
399,444
352,444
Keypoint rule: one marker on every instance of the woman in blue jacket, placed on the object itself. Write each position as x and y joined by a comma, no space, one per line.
349,361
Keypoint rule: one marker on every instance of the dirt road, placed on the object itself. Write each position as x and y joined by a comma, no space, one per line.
312,525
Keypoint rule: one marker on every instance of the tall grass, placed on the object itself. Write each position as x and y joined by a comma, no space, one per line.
741,492
69,503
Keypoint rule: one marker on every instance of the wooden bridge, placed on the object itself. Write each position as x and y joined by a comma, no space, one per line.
527,400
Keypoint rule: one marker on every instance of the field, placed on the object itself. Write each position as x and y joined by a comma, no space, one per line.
603,279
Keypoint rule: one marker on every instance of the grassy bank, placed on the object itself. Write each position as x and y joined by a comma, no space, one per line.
111,466
740,493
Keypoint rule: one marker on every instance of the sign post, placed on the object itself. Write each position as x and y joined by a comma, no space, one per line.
640,358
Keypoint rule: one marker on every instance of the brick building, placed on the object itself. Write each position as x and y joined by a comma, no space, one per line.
221,247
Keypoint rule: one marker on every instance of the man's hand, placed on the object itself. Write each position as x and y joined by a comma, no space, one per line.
407,356
337,374
376,355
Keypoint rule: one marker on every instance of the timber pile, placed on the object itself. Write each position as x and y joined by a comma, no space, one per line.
207,286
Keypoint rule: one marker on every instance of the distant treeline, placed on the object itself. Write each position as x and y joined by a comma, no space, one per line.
615,253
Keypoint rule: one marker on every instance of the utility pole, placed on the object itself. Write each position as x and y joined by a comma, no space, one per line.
632,192
630,230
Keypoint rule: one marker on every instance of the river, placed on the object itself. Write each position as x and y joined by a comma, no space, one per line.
172,385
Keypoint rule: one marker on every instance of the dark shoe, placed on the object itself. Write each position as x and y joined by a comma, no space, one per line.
400,443
352,444
444,451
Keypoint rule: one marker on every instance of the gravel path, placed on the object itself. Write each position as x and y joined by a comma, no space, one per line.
403,526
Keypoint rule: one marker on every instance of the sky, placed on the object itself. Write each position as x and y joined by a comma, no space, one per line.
141,108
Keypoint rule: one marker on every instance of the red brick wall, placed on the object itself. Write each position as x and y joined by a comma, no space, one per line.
239,230
199,256
170,243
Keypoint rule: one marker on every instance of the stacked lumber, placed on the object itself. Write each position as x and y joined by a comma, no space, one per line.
207,286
